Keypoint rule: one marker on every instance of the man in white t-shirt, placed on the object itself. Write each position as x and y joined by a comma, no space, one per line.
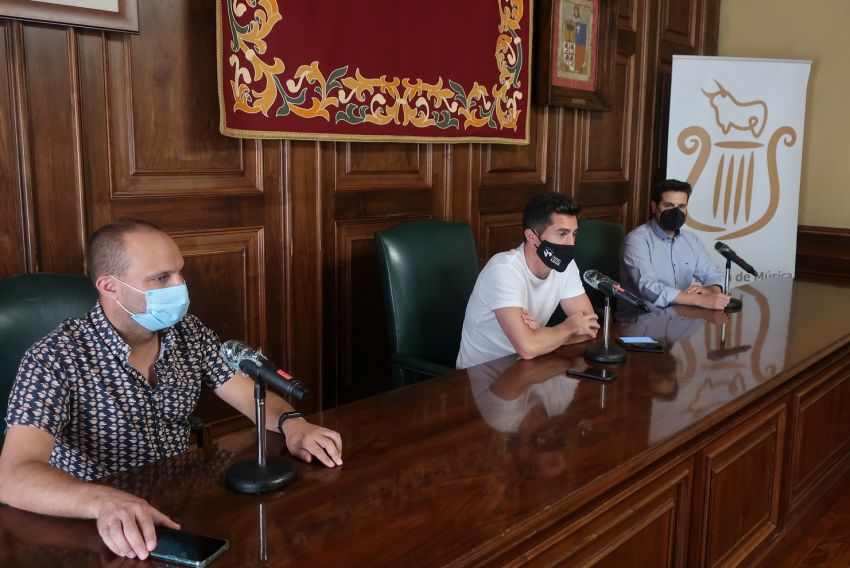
521,287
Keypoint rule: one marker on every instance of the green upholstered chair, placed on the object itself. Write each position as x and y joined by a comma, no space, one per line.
428,269
598,246
31,306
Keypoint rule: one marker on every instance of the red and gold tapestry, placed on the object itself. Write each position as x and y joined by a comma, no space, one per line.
382,70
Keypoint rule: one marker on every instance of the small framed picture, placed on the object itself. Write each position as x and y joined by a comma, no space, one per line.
575,53
116,15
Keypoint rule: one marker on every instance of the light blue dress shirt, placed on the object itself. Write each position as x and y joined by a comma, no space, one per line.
657,267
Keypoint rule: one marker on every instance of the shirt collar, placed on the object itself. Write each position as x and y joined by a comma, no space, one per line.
528,270
113,340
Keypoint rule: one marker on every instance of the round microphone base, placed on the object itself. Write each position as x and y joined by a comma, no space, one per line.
602,354
733,306
248,476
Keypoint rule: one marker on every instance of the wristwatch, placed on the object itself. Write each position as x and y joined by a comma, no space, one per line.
286,416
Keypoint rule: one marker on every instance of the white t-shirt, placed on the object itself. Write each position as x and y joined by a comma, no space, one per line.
507,282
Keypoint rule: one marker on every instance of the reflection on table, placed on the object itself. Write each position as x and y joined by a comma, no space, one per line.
714,354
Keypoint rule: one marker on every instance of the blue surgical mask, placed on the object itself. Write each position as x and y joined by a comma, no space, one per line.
165,306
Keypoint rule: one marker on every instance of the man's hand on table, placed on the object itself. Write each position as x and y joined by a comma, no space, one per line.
126,522
307,441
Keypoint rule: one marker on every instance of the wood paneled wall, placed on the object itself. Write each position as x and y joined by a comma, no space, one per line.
278,235
823,253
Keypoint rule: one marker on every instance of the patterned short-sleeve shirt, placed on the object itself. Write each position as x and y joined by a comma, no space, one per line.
78,385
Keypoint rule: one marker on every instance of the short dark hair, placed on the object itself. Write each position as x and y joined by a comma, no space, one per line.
663,187
105,249
538,212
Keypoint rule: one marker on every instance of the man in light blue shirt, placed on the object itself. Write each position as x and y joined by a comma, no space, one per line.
661,262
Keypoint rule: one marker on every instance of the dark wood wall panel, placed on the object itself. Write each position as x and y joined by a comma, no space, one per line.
740,509
646,525
627,14
232,261
818,444
606,155
97,125
360,329
13,244
93,73
166,145
614,213
499,232
273,319
304,297
823,253
678,23
659,151
509,165
166,136
51,86
375,166
399,202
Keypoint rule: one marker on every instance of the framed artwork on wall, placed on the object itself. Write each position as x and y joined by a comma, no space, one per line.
116,15
577,43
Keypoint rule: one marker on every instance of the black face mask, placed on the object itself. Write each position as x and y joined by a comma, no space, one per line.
556,257
672,219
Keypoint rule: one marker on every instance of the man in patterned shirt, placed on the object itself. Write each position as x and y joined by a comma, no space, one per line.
113,390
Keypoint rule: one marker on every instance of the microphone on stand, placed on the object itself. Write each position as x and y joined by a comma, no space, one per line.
253,363
276,472
610,287
730,255
606,353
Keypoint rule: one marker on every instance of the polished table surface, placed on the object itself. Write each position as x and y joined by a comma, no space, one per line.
445,471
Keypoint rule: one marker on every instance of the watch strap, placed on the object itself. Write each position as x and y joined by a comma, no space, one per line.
286,416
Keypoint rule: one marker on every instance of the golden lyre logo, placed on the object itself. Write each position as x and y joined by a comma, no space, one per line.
738,165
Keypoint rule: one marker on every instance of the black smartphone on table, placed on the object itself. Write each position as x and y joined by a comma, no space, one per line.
188,549
595,373
641,343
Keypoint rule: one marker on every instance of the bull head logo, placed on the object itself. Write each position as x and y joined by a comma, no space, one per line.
737,165
729,113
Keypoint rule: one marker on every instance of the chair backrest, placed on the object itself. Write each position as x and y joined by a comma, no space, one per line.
31,306
428,269
598,246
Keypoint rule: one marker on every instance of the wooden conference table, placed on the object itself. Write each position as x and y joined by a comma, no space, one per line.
709,454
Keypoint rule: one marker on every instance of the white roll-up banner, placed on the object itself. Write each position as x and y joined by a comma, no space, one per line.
736,134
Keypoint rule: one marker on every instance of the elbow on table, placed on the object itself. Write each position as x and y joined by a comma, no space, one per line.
527,350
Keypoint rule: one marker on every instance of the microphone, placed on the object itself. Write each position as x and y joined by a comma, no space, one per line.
610,287
253,363
730,255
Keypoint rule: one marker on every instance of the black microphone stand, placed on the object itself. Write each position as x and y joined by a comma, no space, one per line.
734,304
605,353
263,474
